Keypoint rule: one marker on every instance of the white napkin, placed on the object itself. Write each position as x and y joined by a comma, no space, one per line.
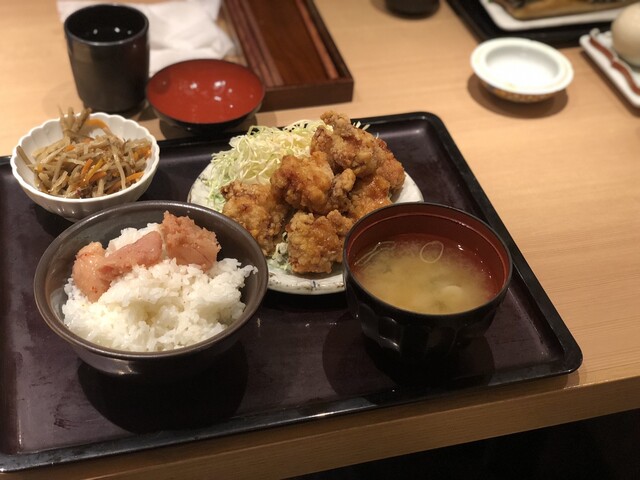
178,30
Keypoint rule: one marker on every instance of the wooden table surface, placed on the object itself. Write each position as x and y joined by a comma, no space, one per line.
563,175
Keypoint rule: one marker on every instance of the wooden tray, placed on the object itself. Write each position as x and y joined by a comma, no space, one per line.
286,43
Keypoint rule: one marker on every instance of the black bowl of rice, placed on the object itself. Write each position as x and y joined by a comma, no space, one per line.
156,322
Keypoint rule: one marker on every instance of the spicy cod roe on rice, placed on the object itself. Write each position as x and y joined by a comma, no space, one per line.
178,298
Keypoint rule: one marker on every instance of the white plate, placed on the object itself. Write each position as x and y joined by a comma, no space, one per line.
521,69
612,65
505,21
314,284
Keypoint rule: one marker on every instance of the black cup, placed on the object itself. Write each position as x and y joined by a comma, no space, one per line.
108,49
413,8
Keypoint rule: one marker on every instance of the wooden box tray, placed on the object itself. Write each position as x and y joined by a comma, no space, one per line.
286,43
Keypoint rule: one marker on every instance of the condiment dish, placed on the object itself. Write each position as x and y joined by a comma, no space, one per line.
521,70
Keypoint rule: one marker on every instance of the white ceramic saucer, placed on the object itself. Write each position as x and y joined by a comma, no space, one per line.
521,70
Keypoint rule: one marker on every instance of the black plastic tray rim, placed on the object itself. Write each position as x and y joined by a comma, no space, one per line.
569,362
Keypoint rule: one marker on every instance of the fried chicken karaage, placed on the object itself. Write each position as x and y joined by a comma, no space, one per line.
315,241
368,195
309,184
317,199
256,208
348,146
303,183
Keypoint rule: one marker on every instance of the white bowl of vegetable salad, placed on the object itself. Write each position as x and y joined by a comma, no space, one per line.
79,164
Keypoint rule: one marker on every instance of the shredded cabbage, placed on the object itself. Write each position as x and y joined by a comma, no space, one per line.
254,157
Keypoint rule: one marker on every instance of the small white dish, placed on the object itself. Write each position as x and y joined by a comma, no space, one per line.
599,46
74,209
521,70
506,22
282,280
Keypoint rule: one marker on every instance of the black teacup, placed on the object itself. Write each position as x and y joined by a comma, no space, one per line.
108,49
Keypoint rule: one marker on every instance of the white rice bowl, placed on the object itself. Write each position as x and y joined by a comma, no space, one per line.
158,308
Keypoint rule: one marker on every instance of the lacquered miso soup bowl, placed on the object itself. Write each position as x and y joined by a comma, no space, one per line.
442,309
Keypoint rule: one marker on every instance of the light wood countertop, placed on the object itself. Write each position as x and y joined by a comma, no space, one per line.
563,175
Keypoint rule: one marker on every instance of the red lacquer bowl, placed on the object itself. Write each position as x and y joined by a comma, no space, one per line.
206,95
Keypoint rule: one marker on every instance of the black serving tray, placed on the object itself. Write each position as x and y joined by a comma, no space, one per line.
300,358
483,26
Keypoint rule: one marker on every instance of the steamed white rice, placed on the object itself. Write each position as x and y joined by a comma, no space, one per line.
162,307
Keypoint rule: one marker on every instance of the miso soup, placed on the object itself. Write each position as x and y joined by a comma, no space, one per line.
425,274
